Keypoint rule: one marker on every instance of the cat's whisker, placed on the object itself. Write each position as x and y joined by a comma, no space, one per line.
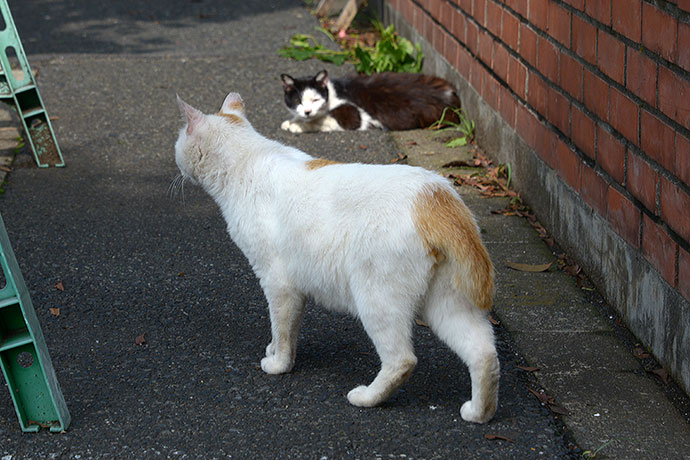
176,187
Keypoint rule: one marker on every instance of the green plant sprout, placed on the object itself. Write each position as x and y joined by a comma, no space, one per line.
392,53
463,125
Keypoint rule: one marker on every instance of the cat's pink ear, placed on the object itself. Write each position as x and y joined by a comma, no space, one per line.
288,81
232,103
191,115
321,78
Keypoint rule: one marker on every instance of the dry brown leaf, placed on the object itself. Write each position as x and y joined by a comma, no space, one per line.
140,340
59,286
529,267
420,322
528,368
640,353
457,164
54,311
492,437
493,320
662,374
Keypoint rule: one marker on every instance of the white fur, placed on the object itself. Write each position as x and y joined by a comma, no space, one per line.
344,235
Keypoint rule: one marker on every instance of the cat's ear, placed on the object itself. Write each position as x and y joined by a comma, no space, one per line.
321,78
288,81
233,103
190,114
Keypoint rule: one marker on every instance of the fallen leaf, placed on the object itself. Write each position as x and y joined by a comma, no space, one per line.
421,323
55,311
549,402
662,374
494,321
492,437
180,274
457,164
5,168
640,353
140,340
59,286
528,368
401,157
529,267
363,147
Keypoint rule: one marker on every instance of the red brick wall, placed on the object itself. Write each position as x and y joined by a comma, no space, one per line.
599,89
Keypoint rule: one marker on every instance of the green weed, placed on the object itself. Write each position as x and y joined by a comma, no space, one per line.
463,125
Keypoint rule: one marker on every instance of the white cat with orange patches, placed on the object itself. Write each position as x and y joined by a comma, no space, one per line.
384,243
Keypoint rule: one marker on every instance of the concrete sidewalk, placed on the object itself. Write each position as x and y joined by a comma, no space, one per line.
135,261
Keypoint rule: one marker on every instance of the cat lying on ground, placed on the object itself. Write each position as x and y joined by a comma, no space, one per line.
383,243
392,101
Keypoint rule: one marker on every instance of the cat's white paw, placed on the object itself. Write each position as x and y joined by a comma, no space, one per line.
288,125
270,349
362,397
273,365
470,413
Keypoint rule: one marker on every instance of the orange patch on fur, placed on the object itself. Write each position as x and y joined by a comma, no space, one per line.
319,163
447,228
232,118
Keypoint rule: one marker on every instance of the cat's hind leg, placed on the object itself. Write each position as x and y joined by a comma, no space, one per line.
389,325
467,331
285,306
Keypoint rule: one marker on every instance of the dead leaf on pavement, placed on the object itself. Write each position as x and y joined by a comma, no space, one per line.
529,267
55,311
140,340
662,374
640,353
528,368
492,437
420,322
59,286
401,157
493,320
549,402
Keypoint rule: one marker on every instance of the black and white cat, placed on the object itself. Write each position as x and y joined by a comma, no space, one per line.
392,101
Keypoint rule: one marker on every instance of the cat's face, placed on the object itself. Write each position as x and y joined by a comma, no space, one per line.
307,97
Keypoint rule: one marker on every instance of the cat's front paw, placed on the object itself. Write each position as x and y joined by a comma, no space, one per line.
270,349
470,413
291,126
274,365
362,397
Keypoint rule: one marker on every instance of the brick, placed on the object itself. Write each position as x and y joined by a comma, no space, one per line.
476,75
641,76
525,122
450,48
577,4
568,164
683,56
571,76
674,94
624,114
472,37
546,145
500,61
659,31
684,5
466,6
611,56
624,217
528,44
596,95
459,25
583,132
464,64
559,111
682,169
559,24
446,15
517,77
642,181
537,94
584,40
547,59
599,10
507,106
659,249
520,6
537,13
437,38
674,208
479,11
494,17
593,189
627,18
486,47
491,91
684,272
435,9
511,30
657,139
610,154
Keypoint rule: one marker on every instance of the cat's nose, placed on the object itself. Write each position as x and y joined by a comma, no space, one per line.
307,112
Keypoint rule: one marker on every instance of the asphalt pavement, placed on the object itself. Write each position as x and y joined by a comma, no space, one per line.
135,260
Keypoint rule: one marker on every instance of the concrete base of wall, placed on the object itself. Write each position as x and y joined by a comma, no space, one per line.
654,311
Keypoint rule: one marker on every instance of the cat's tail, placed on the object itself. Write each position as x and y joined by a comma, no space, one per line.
451,235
